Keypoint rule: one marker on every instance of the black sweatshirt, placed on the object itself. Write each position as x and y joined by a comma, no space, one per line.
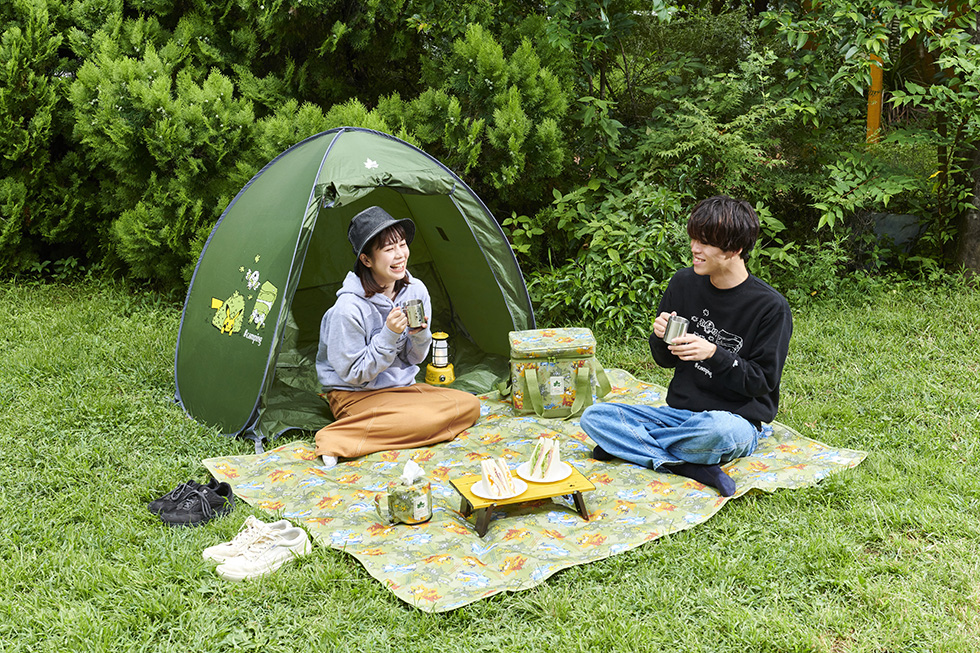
751,326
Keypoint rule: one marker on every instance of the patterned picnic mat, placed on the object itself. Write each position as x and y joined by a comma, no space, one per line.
442,564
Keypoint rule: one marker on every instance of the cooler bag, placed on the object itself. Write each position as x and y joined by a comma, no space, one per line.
554,372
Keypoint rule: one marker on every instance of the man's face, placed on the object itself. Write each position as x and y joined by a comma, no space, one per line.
710,260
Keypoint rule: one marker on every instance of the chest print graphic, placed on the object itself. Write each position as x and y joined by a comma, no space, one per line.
712,333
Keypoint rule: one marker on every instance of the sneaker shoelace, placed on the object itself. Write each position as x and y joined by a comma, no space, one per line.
178,492
265,541
251,532
196,494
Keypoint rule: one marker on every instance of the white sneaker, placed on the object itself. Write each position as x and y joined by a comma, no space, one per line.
328,461
251,531
270,551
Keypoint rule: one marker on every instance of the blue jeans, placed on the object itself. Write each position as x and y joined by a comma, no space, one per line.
652,436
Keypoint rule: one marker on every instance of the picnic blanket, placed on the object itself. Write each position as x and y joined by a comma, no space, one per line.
443,564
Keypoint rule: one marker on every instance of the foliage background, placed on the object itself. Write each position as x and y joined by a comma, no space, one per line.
590,127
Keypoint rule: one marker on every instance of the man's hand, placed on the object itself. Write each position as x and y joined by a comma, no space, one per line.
691,347
660,324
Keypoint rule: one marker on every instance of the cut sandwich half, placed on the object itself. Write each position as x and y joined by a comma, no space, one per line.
497,479
552,460
545,458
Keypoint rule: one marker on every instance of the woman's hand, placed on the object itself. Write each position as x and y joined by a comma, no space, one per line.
397,320
425,325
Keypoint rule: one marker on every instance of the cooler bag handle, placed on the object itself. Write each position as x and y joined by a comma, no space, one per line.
532,391
583,386
583,390
583,393
600,375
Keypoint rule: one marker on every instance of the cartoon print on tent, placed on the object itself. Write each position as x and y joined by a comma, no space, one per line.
266,296
263,304
228,314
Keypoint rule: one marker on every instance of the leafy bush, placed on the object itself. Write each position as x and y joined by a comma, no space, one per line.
859,182
631,245
623,238
37,178
500,113
128,125
163,152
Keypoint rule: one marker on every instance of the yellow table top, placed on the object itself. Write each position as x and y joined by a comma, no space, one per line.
574,483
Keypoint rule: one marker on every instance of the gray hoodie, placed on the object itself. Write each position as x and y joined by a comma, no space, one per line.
358,351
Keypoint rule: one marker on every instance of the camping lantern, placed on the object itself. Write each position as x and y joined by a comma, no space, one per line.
440,370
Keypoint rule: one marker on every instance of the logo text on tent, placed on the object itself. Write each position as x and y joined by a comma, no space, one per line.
254,337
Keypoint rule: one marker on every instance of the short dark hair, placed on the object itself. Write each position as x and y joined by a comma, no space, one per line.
392,234
726,223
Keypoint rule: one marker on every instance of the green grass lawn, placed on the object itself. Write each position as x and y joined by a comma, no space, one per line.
884,557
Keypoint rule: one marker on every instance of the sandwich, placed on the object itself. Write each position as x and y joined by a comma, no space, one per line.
497,479
545,458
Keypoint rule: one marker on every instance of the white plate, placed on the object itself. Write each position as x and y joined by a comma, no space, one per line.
563,471
478,490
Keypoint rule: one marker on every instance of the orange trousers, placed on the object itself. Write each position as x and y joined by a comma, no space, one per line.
394,418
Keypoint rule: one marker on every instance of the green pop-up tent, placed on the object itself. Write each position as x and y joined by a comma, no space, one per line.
277,255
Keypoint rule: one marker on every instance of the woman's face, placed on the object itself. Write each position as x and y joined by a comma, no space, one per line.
387,262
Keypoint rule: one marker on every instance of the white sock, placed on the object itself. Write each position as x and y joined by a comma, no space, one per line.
328,461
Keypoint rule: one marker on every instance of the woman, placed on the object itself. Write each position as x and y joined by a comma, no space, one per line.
368,357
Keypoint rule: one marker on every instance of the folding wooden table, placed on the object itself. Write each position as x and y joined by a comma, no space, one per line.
574,485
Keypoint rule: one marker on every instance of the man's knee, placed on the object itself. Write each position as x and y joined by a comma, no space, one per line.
734,434
594,415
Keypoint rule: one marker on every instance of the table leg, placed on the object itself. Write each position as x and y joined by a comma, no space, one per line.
580,504
483,519
465,507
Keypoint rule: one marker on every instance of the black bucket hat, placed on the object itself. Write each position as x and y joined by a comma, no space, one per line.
370,222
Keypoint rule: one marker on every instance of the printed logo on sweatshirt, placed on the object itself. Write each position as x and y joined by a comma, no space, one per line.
720,337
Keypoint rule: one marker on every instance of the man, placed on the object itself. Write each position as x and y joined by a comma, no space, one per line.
727,367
